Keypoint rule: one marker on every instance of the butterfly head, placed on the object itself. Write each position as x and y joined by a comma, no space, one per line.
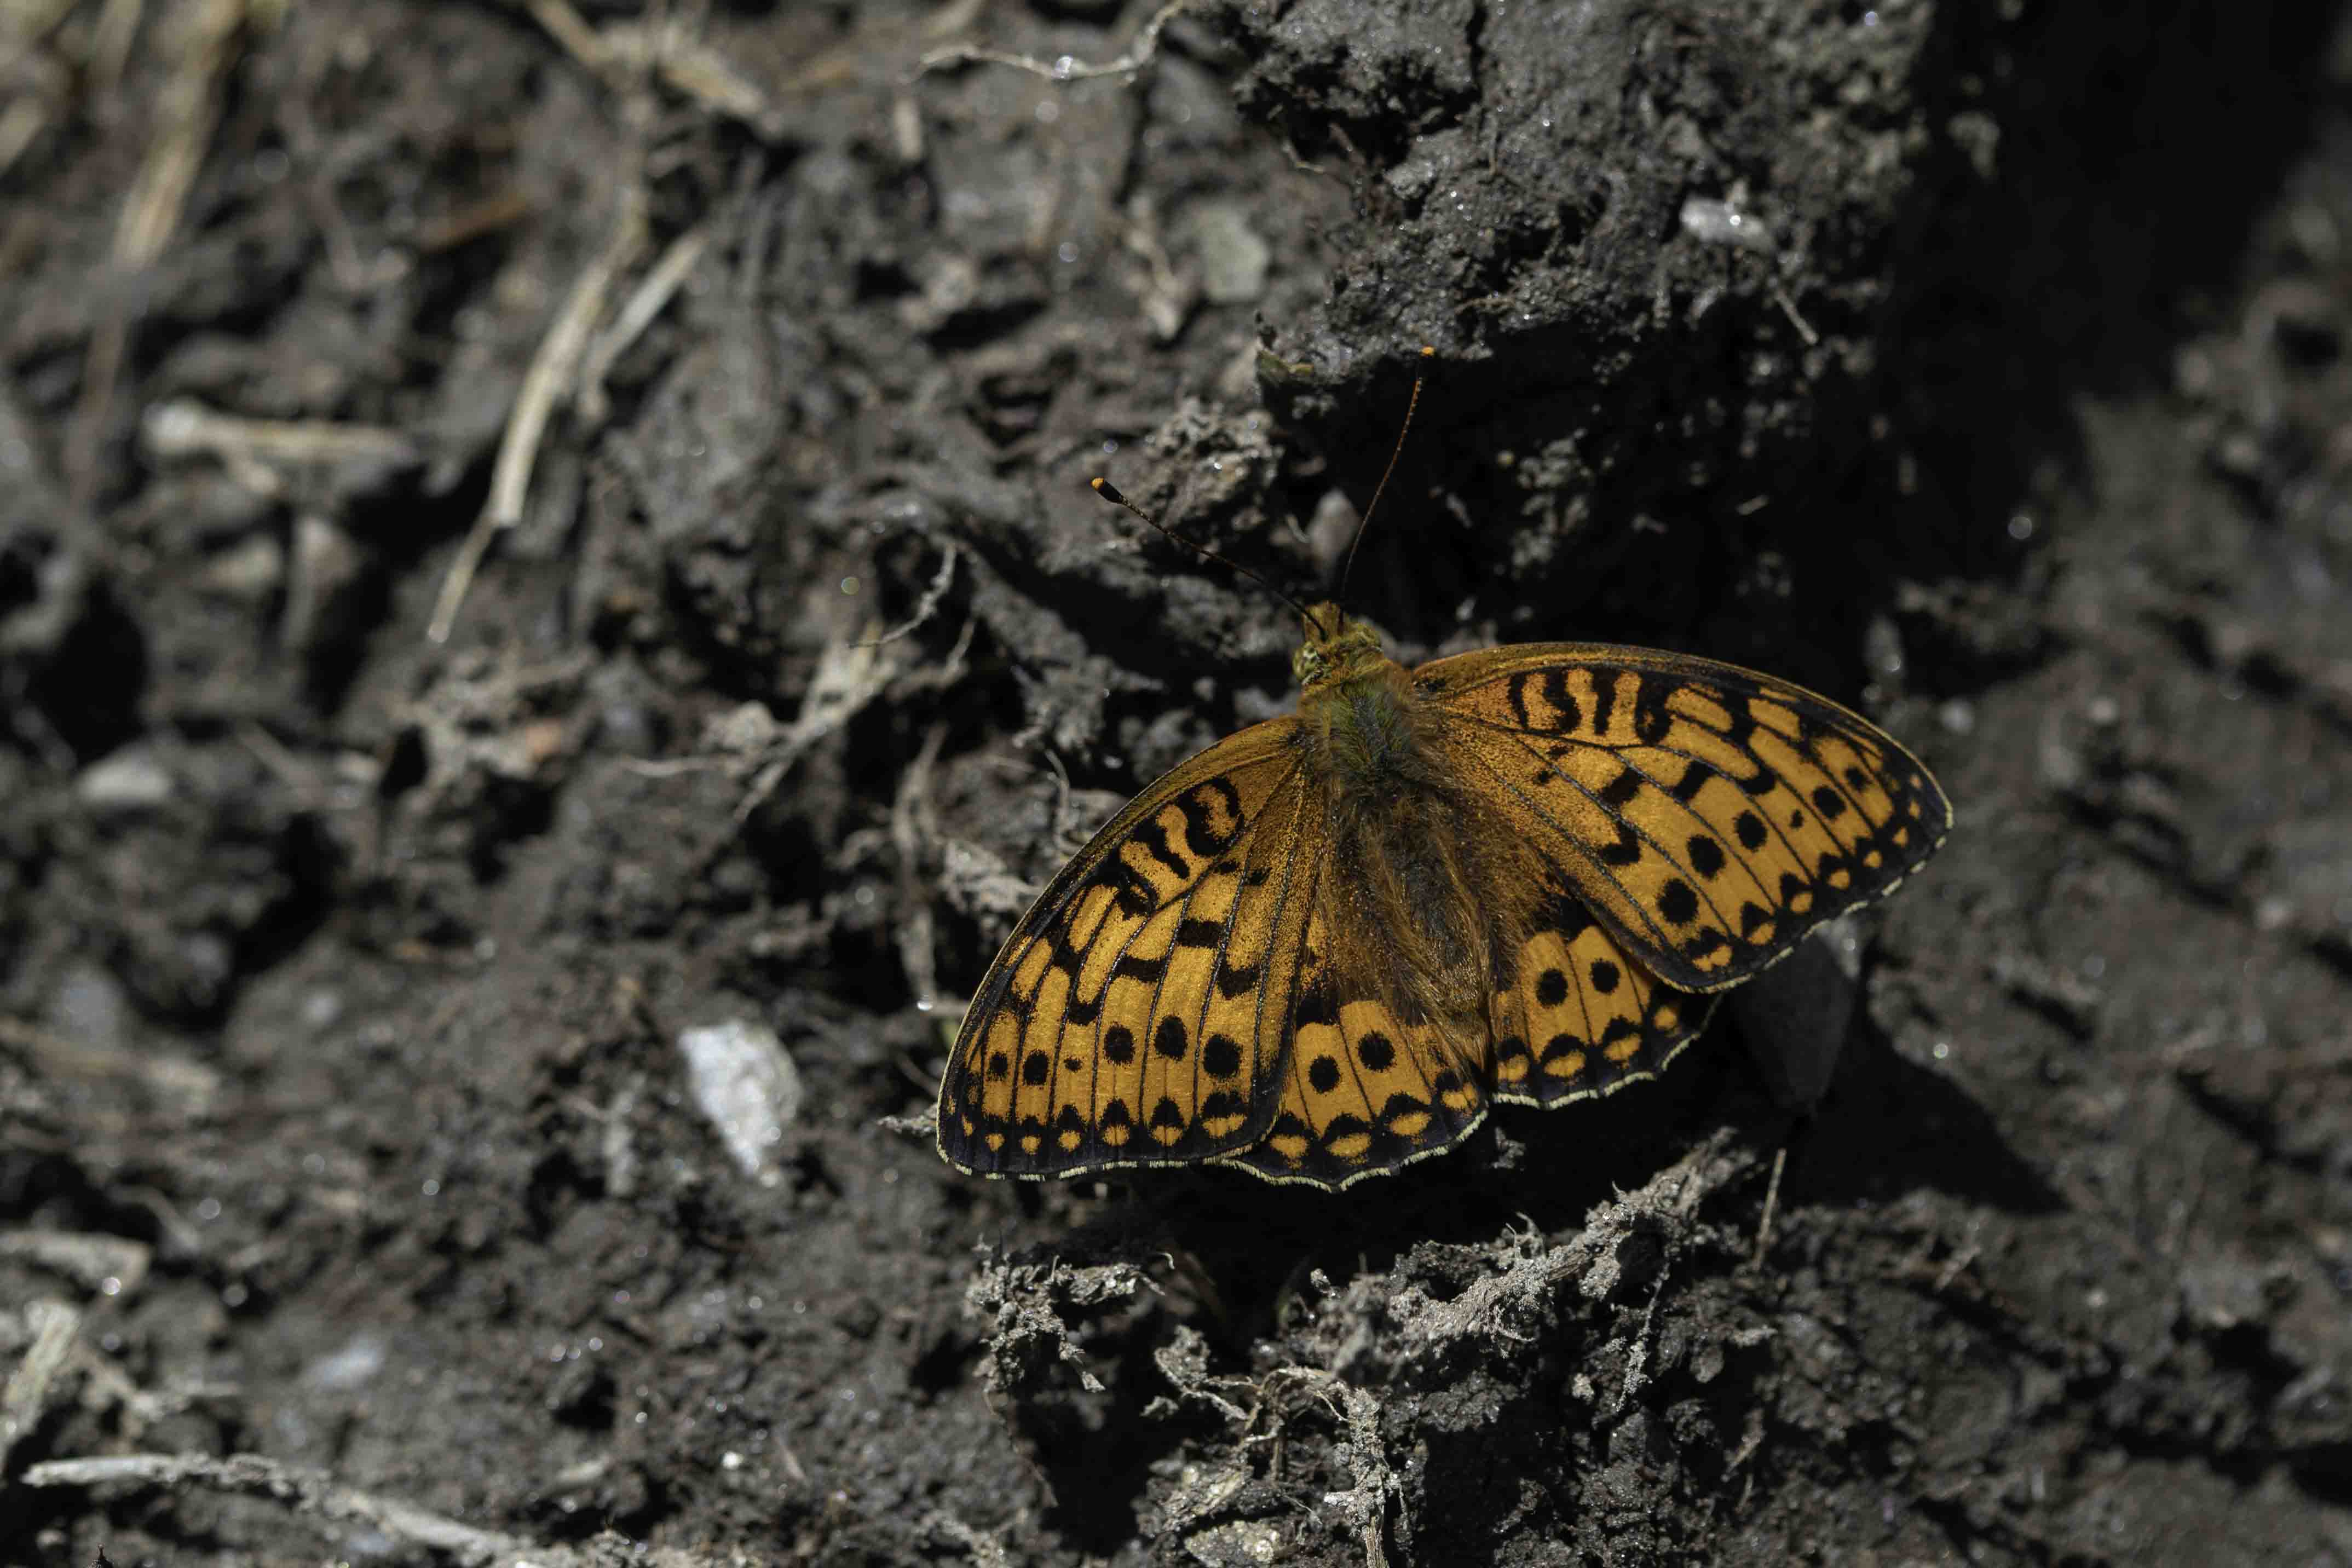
1338,648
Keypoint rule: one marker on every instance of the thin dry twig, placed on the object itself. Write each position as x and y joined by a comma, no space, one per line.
914,824
695,69
572,30
848,677
183,126
27,114
1065,68
499,210
29,22
289,769
185,118
852,60
551,377
305,1491
1788,309
177,1076
110,45
184,427
1771,1205
109,1265
646,303
26,1396
929,602
686,64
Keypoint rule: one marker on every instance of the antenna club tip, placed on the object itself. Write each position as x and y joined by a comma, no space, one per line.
1428,350
1108,490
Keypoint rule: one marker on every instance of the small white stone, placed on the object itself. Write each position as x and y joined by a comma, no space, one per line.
745,1082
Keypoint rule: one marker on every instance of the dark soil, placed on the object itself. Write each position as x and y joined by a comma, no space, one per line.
1987,367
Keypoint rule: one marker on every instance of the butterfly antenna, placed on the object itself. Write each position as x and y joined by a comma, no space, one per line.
1110,493
1427,354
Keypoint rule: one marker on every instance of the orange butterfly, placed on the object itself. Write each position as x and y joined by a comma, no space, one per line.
1320,949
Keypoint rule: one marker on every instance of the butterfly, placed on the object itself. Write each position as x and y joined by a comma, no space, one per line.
1323,948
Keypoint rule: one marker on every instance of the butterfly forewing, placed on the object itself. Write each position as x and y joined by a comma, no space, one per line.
1707,814
1136,1015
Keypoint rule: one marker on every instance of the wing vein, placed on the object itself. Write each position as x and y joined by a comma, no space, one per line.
1536,809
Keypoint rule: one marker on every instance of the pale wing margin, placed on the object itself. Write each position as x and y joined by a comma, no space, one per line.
1135,1015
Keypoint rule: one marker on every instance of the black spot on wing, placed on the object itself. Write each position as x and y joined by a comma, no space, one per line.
1563,702
1705,856
1199,933
1220,1105
1059,953
1148,970
1318,1003
1170,1039
1565,913
1651,719
1130,888
1152,840
1604,703
1202,807
1221,1056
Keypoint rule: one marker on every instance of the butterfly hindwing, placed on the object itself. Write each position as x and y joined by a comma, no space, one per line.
1708,815
1577,1015
1363,1090
1136,1015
